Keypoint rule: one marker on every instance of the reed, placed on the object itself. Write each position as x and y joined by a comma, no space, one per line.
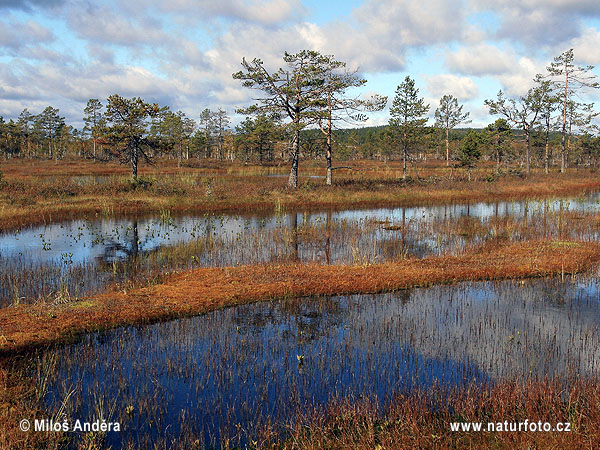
38,192
201,290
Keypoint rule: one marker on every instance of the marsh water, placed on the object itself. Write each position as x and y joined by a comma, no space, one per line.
85,256
220,377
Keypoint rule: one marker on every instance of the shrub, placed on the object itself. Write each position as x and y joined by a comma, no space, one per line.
141,183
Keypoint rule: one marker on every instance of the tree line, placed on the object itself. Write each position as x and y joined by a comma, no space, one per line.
308,108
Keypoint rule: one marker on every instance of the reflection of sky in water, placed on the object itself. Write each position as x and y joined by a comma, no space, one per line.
87,240
242,362
81,241
84,257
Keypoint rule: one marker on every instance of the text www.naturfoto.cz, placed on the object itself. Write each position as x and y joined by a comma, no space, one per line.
510,426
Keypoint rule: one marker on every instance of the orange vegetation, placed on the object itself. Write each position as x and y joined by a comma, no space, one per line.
202,290
38,192
410,421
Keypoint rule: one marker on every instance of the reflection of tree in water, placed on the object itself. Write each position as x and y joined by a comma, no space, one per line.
404,296
390,250
117,250
553,291
401,244
311,317
125,253
294,231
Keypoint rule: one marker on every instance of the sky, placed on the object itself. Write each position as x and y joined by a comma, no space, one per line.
182,53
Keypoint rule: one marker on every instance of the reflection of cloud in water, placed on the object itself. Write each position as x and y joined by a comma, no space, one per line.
237,363
83,256
87,239
506,329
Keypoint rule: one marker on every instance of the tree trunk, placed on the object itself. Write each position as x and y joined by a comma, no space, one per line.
329,131
329,181
498,162
294,231
404,152
564,124
447,147
527,151
328,238
135,241
567,153
293,179
547,148
134,163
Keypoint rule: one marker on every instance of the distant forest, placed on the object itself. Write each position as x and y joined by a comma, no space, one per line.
306,113
45,137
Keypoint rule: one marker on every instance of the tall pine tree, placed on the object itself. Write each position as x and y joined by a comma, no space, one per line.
407,117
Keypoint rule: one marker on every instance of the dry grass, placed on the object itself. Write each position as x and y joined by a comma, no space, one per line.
38,192
202,290
418,419
42,191
422,419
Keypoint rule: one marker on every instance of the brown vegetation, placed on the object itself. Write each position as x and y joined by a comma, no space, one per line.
422,419
409,421
41,191
201,290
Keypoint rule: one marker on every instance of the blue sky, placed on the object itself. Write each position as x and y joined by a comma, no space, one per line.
182,53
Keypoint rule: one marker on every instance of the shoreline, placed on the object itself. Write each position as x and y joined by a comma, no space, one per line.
200,291
25,204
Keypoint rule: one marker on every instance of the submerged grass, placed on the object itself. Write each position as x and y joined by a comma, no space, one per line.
202,290
234,346
407,422
416,419
159,246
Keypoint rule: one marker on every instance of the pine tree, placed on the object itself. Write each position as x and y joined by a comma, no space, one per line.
94,120
295,92
569,78
407,117
127,130
449,115
469,151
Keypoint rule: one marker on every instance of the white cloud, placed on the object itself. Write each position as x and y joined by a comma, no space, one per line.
412,22
514,72
463,88
586,47
28,5
386,29
481,59
520,79
268,12
578,7
539,23
104,25
14,35
183,52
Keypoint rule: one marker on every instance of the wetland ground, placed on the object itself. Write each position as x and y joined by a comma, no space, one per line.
387,317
